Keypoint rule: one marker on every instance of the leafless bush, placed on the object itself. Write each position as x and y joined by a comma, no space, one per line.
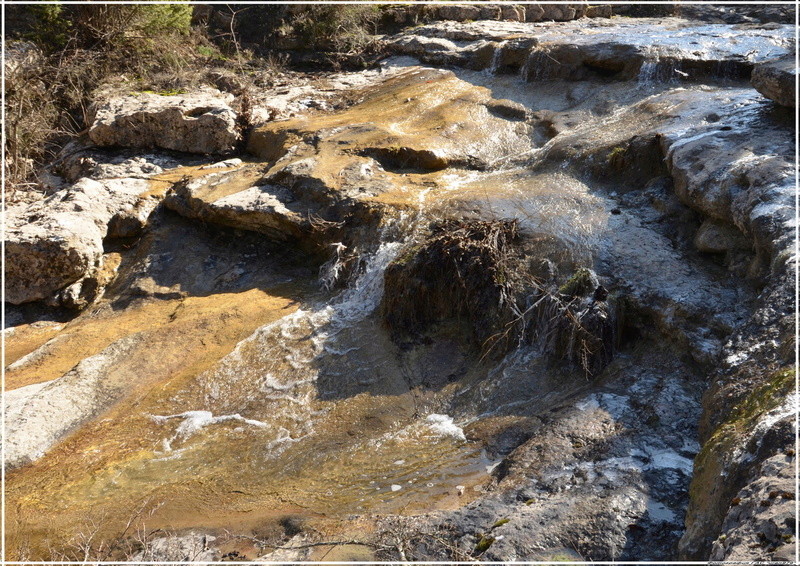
412,539
93,543
50,83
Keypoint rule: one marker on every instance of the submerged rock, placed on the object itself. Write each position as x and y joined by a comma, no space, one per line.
195,122
39,415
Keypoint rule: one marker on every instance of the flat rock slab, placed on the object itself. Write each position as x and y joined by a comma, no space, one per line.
658,50
196,122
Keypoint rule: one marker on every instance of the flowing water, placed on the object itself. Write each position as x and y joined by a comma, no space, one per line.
288,395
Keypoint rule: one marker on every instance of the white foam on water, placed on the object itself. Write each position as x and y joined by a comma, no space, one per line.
272,383
194,421
444,425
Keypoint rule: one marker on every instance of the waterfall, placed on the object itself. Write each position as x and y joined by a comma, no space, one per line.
497,54
656,69
648,73
539,65
272,375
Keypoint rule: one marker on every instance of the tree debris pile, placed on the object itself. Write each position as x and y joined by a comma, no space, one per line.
575,323
476,273
467,270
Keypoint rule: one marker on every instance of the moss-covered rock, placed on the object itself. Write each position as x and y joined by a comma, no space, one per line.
484,542
721,457
582,282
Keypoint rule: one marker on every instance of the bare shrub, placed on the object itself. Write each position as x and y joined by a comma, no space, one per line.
414,539
477,273
50,79
345,29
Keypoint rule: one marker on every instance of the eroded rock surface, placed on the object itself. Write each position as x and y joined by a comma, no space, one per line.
57,242
639,288
776,80
194,122
680,50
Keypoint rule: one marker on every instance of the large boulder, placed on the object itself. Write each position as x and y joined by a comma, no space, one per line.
776,80
54,243
196,122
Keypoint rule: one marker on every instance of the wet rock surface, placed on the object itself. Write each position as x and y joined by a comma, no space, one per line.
776,80
308,329
682,51
599,458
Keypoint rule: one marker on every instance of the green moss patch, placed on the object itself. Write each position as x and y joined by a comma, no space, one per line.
500,523
484,542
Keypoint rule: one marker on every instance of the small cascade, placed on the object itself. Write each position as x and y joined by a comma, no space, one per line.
539,66
272,374
656,69
648,73
497,58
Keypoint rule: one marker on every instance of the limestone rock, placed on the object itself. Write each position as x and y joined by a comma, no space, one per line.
257,208
39,415
191,547
776,80
533,13
512,13
366,129
717,237
55,242
419,45
79,159
607,50
459,13
490,12
760,524
602,11
739,173
558,12
197,122
507,109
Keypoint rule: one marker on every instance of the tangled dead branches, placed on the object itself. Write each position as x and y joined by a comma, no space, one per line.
465,270
409,539
476,272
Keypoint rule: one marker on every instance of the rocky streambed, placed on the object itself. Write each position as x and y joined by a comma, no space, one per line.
522,292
